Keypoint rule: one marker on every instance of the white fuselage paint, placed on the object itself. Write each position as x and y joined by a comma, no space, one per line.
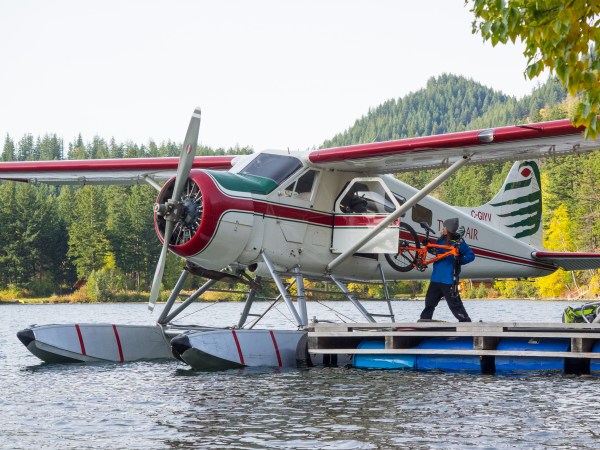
295,232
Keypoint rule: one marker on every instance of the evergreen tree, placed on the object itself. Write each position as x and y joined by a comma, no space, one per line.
77,149
115,150
32,237
8,151
98,149
25,149
50,147
88,243
8,258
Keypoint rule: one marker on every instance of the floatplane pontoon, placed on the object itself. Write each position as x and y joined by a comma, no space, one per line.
335,214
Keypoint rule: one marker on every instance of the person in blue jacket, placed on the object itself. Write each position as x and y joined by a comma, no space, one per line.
444,279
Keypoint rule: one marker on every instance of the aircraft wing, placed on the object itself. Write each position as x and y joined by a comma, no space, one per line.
529,141
570,260
104,171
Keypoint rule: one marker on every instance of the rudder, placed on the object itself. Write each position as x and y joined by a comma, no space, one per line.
516,209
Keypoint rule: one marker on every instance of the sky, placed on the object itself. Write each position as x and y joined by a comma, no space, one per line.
270,74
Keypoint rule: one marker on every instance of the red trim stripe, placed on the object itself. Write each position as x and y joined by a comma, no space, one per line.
371,220
276,347
110,165
424,144
500,257
505,258
118,343
218,203
80,339
565,255
239,349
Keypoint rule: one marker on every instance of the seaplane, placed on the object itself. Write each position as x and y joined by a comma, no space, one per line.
335,214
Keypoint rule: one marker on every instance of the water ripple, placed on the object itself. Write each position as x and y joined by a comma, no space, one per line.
166,405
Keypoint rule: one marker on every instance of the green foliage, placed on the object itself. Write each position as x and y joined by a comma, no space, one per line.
562,36
103,285
49,147
50,236
8,151
31,236
516,289
130,231
88,241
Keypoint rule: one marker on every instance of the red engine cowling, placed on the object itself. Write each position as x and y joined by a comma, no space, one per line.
213,228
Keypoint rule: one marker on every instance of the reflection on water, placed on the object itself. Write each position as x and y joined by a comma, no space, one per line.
162,405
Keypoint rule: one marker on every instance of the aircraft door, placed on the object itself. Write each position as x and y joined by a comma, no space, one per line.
298,197
360,207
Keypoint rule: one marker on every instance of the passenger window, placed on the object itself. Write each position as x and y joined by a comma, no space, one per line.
366,197
422,214
354,201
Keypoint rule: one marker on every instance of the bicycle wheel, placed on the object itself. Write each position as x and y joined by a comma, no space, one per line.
406,257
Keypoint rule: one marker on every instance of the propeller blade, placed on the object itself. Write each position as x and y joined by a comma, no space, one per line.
188,152
186,159
160,267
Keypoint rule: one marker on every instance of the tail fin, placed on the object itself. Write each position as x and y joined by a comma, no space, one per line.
517,208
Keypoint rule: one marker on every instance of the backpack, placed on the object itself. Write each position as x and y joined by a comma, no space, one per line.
586,313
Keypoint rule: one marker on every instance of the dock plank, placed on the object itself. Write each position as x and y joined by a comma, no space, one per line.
473,333
462,326
451,352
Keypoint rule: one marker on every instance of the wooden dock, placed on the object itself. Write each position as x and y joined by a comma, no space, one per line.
405,338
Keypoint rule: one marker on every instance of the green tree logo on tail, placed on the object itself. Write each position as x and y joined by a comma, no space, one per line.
524,201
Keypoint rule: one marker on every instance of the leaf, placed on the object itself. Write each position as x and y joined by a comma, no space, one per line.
562,70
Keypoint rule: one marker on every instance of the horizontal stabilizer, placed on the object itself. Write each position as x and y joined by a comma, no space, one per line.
570,260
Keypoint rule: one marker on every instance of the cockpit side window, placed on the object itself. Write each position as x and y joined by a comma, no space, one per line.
275,167
302,187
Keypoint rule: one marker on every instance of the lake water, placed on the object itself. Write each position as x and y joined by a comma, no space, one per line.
166,405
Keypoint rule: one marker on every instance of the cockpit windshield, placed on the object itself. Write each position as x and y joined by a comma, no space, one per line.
275,167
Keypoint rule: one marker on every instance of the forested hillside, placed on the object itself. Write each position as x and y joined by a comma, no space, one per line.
54,238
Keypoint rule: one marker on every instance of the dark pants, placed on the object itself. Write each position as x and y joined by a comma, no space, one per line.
435,293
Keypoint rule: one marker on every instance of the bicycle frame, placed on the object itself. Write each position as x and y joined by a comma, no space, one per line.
412,252
421,262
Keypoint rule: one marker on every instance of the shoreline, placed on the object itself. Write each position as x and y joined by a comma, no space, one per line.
64,301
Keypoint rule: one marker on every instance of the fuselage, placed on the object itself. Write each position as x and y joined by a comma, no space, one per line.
302,217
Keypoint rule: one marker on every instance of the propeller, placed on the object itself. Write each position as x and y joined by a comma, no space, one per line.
172,209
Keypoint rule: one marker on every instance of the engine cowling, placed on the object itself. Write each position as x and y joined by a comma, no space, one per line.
211,228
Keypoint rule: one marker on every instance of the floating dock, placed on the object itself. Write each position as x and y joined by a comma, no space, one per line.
480,347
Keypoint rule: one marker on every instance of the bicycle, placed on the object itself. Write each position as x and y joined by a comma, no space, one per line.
412,254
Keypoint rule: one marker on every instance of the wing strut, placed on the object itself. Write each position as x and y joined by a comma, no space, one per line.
152,183
191,299
400,211
173,296
282,290
301,296
354,301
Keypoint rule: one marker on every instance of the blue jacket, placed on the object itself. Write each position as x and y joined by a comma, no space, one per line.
443,270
